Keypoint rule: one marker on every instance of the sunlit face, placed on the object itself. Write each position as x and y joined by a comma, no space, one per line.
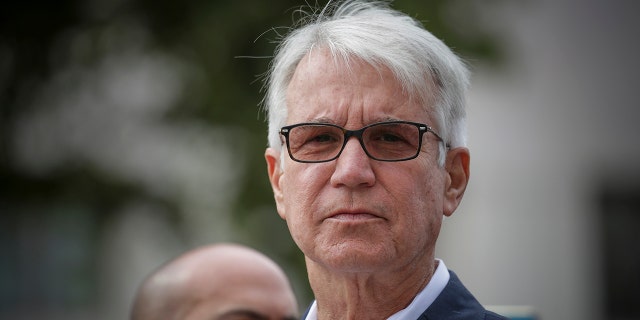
355,214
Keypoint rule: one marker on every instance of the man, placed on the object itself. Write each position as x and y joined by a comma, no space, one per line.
366,156
217,282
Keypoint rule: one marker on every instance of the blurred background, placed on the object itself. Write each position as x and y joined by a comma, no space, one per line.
130,131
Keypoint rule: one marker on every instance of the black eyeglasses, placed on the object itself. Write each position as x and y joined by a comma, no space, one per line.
382,141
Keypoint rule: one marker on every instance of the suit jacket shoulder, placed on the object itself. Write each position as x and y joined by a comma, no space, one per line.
455,302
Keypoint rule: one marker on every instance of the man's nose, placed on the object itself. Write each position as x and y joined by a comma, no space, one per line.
353,166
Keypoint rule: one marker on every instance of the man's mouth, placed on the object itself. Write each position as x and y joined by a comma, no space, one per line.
353,216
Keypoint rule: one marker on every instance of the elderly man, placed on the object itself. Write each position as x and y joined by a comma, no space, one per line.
366,156
217,282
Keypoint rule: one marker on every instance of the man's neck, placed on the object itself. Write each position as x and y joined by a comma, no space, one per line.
366,295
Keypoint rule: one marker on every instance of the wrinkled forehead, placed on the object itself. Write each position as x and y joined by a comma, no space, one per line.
333,84
321,64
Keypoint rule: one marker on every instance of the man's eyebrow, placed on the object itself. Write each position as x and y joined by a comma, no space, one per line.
385,119
321,120
249,314
245,314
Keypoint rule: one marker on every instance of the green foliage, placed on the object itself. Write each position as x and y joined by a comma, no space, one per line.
224,45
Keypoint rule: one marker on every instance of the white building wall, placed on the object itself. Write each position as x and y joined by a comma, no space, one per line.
543,133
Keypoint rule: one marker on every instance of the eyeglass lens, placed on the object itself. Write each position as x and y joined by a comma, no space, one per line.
384,141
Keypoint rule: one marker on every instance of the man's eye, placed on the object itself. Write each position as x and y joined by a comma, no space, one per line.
322,138
390,138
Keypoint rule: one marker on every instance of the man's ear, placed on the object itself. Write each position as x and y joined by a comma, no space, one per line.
275,173
457,168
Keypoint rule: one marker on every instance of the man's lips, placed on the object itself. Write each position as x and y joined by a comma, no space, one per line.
353,216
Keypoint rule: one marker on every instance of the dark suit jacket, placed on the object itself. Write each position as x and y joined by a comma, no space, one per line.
455,302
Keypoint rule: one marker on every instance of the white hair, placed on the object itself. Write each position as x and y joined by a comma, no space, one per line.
380,36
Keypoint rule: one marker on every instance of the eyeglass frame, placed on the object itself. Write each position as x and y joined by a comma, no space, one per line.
347,134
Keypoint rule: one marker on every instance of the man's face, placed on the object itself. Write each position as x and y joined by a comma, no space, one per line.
355,214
